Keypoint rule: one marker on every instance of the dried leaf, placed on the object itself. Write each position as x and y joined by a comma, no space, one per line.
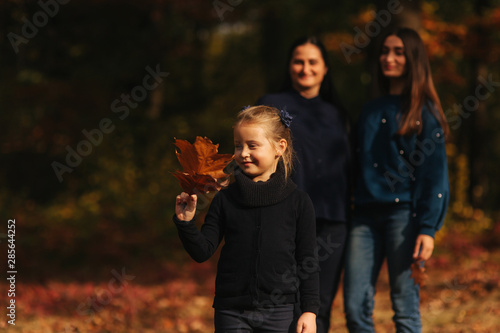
196,183
202,165
418,273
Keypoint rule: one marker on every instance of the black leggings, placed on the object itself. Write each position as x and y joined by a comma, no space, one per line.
276,318
331,238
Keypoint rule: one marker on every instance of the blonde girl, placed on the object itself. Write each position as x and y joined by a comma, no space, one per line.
269,254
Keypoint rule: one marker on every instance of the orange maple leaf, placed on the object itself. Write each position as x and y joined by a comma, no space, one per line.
196,183
418,273
202,165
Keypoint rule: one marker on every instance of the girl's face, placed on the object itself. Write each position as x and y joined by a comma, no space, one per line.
393,59
307,68
254,153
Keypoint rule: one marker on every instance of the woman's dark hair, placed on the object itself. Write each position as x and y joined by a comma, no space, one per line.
327,90
419,87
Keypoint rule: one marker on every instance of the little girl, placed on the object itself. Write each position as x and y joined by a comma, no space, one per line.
269,256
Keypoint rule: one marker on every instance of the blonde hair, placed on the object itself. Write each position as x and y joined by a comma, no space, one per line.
269,119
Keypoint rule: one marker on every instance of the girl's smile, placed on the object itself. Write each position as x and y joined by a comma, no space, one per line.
254,153
393,59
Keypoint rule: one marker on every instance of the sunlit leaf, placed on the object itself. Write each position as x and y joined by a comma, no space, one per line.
203,167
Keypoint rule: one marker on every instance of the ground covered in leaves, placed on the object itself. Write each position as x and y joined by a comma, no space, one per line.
462,294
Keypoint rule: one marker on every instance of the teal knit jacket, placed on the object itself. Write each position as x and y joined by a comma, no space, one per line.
401,169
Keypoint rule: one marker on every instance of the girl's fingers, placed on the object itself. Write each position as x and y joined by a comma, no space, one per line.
191,203
194,198
185,206
183,198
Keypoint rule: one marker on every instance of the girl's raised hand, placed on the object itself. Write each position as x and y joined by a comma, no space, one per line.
185,206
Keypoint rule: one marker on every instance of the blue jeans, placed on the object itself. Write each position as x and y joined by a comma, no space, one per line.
384,231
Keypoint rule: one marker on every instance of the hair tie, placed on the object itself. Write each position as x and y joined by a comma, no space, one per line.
286,118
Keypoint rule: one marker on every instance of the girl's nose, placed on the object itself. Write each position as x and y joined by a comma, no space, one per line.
244,152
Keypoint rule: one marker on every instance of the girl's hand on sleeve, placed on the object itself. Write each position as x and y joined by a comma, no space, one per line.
185,206
307,323
423,247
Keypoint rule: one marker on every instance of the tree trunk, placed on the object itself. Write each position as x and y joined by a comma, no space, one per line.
410,16
478,122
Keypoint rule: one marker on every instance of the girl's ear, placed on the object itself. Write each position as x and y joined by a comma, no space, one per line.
282,145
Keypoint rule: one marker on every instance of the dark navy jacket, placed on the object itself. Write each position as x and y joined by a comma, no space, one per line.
322,146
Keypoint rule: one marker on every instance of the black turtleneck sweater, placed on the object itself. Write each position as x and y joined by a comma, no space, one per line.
269,251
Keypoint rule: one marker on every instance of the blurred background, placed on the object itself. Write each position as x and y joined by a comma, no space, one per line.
93,93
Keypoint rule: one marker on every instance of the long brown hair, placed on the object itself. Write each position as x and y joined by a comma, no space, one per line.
419,87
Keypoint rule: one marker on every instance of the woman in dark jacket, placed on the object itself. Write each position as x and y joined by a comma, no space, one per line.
320,139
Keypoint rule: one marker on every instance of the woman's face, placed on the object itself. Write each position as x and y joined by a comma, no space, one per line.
307,68
393,59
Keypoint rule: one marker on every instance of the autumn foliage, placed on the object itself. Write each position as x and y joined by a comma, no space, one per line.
114,208
418,273
461,295
203,167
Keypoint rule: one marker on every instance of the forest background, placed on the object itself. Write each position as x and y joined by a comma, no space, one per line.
93,93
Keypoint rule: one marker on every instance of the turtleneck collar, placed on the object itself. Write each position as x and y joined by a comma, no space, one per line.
256,194
307,100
